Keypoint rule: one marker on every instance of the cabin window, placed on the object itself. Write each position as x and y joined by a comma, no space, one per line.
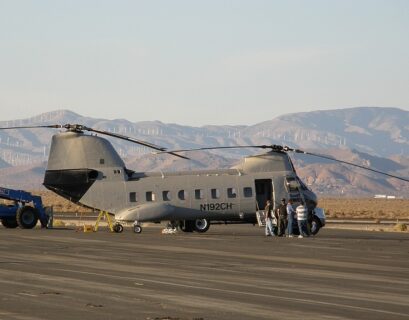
199,194
150,196
215,193
101,161
247,192
133,197
166,195
182,194
231,193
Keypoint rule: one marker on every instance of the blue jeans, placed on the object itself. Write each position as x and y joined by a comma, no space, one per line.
290,225
302,226
269,227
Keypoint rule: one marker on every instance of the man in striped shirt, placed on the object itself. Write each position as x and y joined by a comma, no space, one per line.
302,215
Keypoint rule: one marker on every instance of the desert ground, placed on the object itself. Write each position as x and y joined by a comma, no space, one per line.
335,208
365,208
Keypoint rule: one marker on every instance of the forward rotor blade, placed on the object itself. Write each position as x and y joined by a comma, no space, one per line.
346,162
272,147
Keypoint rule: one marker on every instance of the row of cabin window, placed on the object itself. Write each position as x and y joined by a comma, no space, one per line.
199,194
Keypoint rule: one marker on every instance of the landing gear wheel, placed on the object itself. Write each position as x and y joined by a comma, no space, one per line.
27,217
10,223
118,228
315,225
137,228
201,225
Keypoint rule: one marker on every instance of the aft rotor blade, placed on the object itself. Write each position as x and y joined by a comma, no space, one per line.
79,127
346,162
141,142
51,126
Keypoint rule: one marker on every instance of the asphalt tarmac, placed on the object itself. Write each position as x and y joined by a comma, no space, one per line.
230,272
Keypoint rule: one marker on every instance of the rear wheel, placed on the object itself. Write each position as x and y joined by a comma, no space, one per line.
27,217
315,225
9,223
201,225
118,228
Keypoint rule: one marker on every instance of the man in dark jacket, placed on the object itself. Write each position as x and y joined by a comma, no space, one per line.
282,218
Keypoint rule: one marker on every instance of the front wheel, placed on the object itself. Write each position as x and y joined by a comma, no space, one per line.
315,225
137,228
27,217
201,225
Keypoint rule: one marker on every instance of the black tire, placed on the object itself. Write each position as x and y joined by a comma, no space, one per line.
118,228
315,225
201,225
187,225
137,228
27,217
10,223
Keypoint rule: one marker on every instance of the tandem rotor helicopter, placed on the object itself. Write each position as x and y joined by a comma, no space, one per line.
86,169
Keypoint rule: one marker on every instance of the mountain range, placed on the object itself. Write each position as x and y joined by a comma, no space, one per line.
368,136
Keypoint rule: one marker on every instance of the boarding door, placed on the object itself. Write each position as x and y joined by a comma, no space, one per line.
264,192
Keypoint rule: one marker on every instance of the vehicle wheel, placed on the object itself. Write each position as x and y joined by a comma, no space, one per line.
187,225
137,228
9,223
201,225
118,228
27,217
315,225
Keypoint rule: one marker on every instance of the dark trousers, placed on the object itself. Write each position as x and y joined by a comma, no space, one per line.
282,226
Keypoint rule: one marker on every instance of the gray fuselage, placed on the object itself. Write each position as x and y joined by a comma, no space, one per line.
87,170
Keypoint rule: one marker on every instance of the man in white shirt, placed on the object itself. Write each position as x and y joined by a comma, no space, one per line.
269,219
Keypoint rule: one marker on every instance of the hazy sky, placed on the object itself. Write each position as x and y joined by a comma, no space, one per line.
201,62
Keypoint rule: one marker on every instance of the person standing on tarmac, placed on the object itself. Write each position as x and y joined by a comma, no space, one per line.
302,215
282,218
269,219
290,218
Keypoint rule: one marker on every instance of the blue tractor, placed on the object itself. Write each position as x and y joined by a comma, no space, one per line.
25,210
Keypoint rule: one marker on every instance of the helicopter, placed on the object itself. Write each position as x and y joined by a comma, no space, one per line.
86,169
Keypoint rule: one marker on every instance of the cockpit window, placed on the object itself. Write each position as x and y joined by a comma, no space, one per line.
292,184
302,184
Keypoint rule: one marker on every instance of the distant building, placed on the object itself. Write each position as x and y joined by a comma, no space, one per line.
384,196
